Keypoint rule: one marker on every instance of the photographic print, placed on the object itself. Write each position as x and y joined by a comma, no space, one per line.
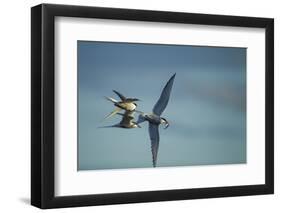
155,100
160,105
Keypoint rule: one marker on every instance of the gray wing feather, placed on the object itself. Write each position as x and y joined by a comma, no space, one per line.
154,138
122,97
164,98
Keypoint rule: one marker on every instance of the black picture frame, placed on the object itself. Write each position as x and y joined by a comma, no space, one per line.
43,102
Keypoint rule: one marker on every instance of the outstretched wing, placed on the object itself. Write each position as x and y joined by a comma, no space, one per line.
154,138
132,99
111,99
116,125
164,98
115,111
122,97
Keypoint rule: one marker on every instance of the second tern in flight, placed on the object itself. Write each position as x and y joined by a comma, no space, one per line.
127,104
154,119
126,122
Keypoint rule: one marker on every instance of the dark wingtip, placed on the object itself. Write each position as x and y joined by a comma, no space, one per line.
154,163
172,77
116,92
171,80
102,127
133,99
122,97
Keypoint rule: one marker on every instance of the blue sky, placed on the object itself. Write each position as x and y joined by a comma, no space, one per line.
207,108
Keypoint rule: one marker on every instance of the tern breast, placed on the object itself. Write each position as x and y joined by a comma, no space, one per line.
126,106
131,106
155,119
